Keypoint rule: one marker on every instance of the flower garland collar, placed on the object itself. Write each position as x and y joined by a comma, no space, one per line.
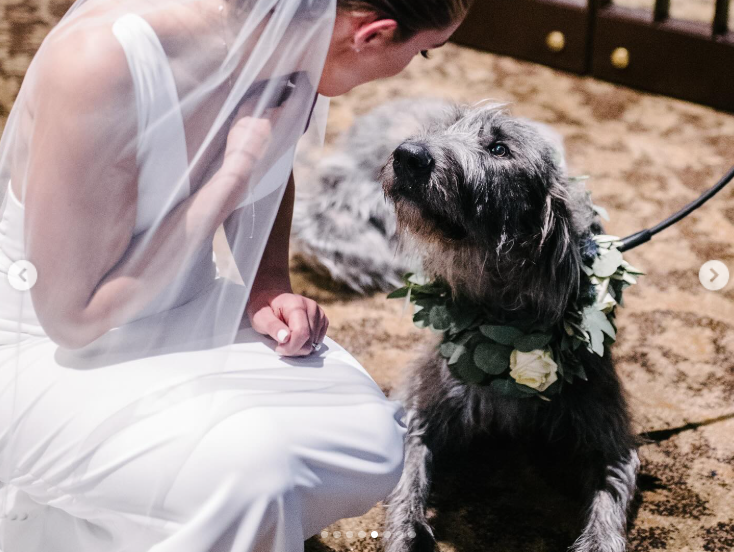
525,360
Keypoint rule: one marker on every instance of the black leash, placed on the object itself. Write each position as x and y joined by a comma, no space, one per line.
644,235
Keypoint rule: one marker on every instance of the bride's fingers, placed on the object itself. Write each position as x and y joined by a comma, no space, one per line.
302,323
318,321
313,324
322,330
265,322
298,324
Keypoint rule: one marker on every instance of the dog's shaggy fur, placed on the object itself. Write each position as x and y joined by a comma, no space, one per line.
505,227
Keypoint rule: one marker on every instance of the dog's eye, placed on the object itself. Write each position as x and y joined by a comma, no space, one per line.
499,150
424,53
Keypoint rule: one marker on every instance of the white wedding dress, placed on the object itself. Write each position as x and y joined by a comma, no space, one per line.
171,444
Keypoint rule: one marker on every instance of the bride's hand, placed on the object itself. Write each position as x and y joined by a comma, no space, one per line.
297,323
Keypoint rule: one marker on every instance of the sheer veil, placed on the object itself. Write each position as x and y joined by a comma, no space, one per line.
194,70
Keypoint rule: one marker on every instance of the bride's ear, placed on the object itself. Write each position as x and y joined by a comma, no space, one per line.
375,33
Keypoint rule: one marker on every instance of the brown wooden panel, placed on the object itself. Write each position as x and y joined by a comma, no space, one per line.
519,28
677,58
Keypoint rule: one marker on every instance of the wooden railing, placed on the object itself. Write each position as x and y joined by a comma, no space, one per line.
645,49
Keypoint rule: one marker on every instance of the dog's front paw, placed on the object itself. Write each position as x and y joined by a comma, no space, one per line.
597,542
416,537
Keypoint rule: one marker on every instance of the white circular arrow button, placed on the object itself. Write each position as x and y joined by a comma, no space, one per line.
22,275
714,275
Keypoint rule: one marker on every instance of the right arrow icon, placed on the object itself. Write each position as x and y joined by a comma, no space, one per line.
713,275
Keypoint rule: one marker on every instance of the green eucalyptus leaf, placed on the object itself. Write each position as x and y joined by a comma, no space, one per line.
417,279
492,358
565,343
425,302
568,374
632,270
559,363
627,277
525,389
605,265
421,314
398,293
598,320
504,335
527,343
605,239
420,318
466,370
581,373
440,318
507,388
447,349
597,341
611,341
457,353
601,211
461,319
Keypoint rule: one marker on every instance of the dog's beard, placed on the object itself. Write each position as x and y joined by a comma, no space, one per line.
413,218
415,212
461,263
469,270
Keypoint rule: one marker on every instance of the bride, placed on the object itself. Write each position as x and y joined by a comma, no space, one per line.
146,403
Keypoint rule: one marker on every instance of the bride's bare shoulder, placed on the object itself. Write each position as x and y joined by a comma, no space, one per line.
83,68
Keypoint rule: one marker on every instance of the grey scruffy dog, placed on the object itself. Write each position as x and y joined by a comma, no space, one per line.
484,200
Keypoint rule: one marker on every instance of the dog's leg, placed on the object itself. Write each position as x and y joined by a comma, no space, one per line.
406,505
606,519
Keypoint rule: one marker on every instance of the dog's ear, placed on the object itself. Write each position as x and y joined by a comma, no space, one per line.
555,280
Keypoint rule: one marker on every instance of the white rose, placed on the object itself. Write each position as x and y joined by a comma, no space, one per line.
536,369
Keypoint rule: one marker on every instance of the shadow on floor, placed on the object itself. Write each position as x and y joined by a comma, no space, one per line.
497,496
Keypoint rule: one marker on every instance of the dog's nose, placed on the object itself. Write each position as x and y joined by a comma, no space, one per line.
413,159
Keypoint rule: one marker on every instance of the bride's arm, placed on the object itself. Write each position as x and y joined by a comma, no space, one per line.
272,306
81,198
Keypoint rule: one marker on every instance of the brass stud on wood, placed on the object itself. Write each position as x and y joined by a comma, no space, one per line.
620,58
556,41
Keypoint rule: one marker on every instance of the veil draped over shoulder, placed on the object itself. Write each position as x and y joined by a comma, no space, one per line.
177,75
155,88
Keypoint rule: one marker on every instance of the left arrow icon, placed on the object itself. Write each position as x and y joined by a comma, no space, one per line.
22,275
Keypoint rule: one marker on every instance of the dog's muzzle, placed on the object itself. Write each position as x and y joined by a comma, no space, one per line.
411,161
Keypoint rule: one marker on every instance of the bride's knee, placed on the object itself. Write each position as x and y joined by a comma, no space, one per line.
243,457
386,447
251,457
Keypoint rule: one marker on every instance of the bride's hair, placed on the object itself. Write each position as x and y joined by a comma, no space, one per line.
413,16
